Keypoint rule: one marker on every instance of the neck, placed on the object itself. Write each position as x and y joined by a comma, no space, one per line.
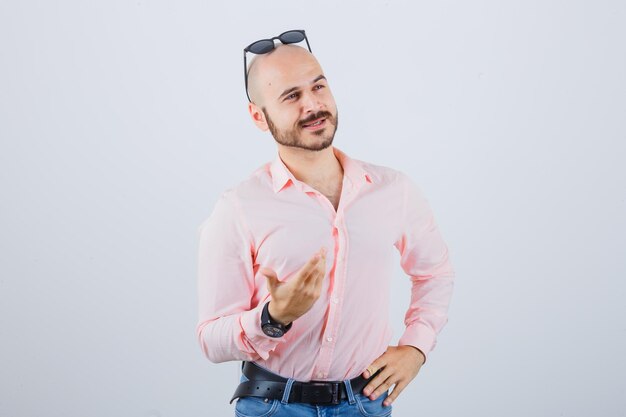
312,167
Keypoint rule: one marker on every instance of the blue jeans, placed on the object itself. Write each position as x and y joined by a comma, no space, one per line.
357,404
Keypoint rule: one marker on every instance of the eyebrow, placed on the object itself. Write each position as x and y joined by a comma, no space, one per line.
289,90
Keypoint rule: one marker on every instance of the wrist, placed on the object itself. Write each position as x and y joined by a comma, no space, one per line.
270,326
277,316
421,358
420,354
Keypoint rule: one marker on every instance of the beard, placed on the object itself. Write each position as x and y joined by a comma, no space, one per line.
293,137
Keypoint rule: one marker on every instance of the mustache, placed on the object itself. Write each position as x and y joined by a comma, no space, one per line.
319,115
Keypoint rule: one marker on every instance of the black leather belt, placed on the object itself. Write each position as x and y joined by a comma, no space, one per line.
265,384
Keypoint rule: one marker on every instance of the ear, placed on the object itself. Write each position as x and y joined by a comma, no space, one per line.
258,117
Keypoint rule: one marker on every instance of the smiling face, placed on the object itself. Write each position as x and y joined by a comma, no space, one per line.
291,98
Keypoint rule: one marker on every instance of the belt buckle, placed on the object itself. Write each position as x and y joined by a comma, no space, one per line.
334,394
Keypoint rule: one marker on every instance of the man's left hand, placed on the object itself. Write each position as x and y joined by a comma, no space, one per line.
399,364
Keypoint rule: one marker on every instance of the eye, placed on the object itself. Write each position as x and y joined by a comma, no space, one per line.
320,86
292,95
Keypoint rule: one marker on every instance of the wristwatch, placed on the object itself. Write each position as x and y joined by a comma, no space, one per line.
270,327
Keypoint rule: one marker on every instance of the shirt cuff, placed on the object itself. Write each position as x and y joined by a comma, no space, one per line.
252,333
420,336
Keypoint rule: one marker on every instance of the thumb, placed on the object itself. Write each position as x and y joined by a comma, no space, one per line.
270,276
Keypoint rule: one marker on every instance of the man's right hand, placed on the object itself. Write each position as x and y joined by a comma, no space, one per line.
295,297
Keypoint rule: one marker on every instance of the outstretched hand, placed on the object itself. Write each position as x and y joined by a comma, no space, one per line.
398,365
293,298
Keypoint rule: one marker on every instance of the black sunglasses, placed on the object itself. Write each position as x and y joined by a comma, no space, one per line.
263,46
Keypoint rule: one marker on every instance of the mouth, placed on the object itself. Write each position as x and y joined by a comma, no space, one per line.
315,124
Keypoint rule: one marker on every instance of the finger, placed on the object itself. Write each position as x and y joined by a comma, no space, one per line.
320,273
311,270
319,281
384,386
375,366
397,389
267,271
308,267
270,277
375,383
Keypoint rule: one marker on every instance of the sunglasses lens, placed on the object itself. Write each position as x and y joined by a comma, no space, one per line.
292,37
261,47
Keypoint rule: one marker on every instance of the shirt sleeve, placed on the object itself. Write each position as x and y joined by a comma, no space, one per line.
424,257
229,325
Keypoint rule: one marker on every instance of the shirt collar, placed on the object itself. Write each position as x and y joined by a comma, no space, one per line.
352,169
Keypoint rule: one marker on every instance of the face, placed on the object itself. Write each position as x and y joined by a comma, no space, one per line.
298,107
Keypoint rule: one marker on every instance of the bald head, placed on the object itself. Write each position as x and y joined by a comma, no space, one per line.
279,68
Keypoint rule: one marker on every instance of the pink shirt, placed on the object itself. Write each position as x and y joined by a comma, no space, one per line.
274,220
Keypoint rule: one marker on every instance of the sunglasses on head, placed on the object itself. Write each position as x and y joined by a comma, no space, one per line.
264,46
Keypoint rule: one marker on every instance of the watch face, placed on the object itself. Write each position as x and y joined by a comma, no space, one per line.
272,331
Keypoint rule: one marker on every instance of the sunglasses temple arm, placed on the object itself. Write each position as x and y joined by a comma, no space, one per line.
307,44
245,74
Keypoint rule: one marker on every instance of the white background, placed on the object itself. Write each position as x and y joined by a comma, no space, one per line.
121,122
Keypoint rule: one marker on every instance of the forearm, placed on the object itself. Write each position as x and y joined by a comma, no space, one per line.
235,337
428,312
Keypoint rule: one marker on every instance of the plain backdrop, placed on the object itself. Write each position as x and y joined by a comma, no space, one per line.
121,122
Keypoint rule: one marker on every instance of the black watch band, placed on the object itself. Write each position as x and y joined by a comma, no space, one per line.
271,327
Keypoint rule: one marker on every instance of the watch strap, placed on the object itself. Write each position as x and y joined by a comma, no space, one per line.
268,321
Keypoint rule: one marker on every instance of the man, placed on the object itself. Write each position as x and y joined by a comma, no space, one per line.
295,263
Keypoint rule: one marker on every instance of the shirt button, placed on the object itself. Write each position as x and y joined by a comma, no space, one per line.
320,375
335,300
329,339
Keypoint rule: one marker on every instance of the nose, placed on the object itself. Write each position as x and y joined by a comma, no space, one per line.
310,102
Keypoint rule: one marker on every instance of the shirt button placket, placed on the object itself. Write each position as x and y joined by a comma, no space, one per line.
334,307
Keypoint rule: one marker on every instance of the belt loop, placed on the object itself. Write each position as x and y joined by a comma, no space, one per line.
351,399
285,399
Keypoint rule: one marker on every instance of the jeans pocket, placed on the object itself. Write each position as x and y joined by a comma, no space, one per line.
255,407
373,408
